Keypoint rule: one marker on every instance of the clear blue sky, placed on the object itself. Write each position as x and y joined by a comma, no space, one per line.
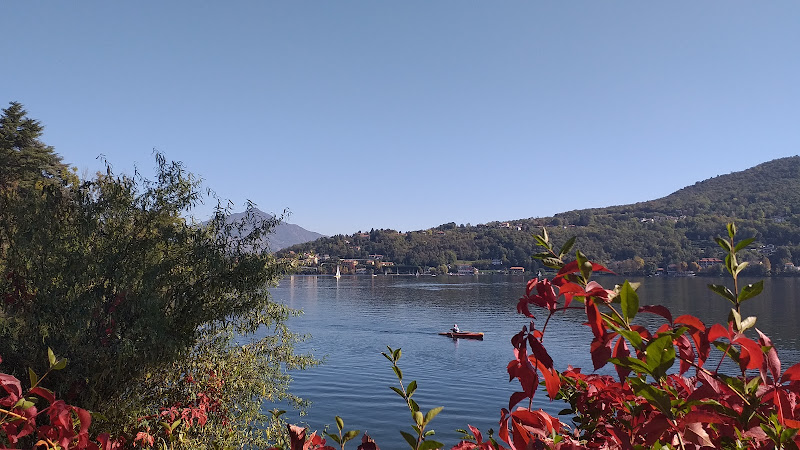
406,115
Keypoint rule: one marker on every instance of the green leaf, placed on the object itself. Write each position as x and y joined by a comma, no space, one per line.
60,364
633,337
32,375
733,353
174,425
553,263
350,435
660,356
748,323
23,403
584,265
396,354
723,243
412,441
414,406
741,245
730,263
567,246
629,301
633,364
429,433
339,423
752,385
542,241
430,445
732,230
335,437
734,317
411,388
433,413
751,290
398,372
655,396
740,267
418,418
723,291
397,389
51,356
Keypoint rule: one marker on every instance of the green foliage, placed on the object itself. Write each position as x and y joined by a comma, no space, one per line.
421,421
109,272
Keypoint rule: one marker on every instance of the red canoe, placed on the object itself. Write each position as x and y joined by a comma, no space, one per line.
463,335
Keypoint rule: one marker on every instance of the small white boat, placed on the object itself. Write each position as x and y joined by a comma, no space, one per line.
338,273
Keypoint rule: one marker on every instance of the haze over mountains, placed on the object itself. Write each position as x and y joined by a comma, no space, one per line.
764,201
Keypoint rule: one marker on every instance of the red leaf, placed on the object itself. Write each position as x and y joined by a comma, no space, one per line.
367,443
601,352
691,322
538,420
685,352
657,309
717,331
12,386
791,374
595,320
594,289
529,287
297,435
569,290
784,407
700,339
772,360
702,416
654,428
522,307
621,351
551,380
709,381
44,393
751,354
696,434
539,352
516,397
476,432
572,267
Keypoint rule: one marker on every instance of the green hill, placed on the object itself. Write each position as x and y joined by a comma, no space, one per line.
764,201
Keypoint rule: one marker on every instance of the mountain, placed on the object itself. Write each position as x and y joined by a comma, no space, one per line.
284,234
764,202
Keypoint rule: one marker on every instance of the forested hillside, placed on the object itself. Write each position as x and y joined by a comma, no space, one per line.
764,201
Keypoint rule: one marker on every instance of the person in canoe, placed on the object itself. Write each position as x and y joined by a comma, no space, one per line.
455,328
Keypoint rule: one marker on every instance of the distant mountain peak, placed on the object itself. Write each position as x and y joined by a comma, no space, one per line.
284,234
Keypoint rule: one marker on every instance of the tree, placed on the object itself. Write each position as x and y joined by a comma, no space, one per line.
150,309
24,159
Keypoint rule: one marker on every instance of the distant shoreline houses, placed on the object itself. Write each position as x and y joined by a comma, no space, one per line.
379,264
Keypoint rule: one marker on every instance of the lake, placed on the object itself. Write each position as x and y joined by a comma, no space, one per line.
351,321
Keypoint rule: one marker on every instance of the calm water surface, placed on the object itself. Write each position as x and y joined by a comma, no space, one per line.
352,320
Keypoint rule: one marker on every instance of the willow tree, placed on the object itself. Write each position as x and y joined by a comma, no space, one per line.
151,309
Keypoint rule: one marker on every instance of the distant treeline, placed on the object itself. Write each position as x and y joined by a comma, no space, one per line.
677,230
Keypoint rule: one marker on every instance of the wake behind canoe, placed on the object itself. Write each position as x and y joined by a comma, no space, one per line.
463,335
